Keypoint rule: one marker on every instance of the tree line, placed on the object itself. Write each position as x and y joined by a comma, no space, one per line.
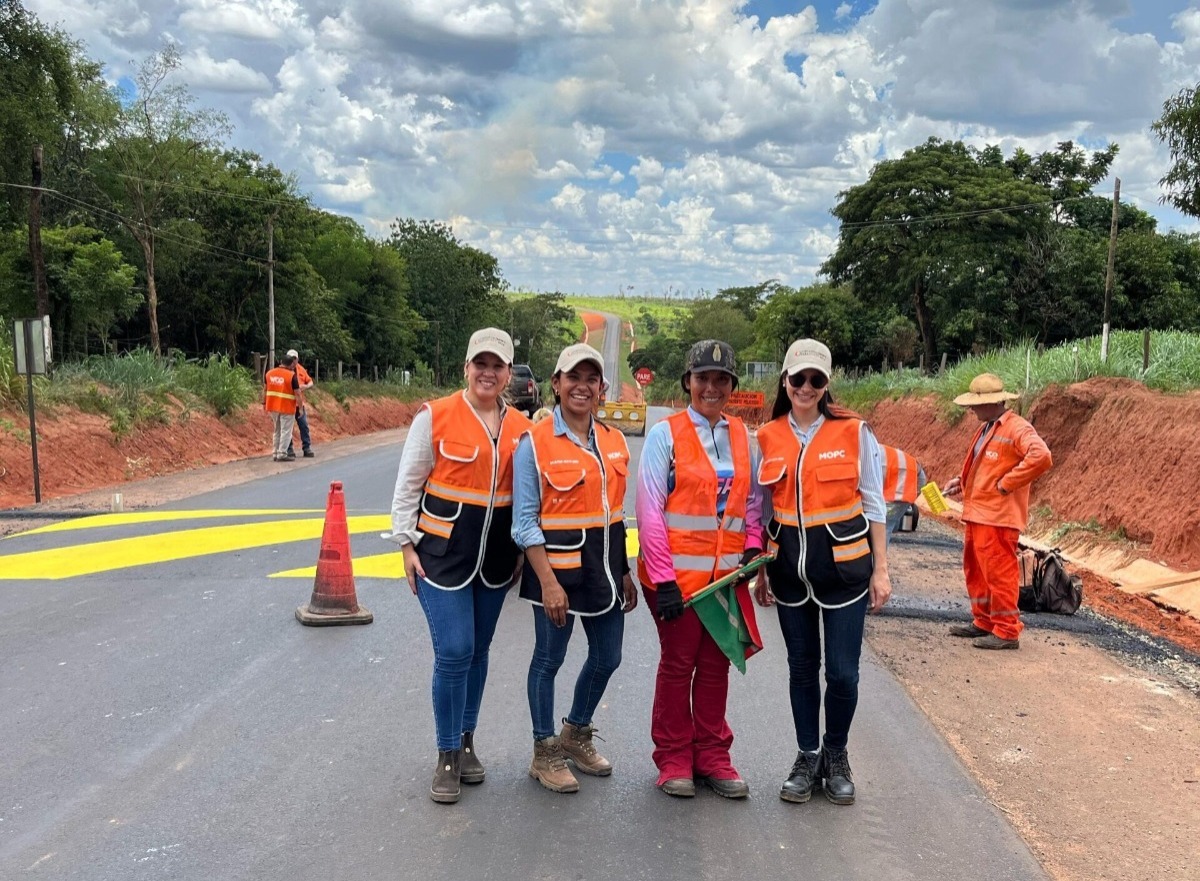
953,250
155,233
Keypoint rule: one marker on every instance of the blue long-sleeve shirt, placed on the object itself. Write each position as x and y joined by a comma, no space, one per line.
527,483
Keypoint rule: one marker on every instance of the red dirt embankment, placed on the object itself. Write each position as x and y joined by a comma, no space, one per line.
77,451
1123,455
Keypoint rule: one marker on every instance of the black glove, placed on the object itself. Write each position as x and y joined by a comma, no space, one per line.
670,601
749,554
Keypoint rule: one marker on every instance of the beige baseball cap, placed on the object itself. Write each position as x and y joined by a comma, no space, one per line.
807,354
573,356
293,353
491,339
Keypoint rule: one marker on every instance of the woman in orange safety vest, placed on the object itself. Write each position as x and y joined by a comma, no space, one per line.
452,516
569,517
825,521
698,512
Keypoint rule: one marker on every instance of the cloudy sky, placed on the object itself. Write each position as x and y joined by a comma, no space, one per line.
652,146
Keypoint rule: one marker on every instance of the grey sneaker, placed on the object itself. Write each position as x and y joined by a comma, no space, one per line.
680,787
735,788
969,631
991,641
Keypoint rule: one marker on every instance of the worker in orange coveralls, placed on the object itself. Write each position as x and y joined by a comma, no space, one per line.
1005,457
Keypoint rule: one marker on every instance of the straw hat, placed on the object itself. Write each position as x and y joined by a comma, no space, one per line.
986,388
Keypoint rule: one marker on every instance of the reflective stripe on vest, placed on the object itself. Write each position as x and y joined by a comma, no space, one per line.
279,396
580,492
829,485
470,480
704,547
899,475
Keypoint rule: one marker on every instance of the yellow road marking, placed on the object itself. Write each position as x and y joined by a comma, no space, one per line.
134,517
122,553
391,565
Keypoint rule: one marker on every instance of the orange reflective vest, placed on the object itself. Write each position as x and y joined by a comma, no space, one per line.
465,519
582,516
302,374
829,559
1011,458
899,475
704,546
280,396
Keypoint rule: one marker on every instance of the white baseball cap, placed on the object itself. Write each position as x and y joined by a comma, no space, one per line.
491,339
573,356
807,354
292,353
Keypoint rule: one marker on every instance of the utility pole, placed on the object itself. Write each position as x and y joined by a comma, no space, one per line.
1108,277
271,291
41,292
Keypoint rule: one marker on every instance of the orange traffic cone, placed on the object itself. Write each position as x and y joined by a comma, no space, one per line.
333,598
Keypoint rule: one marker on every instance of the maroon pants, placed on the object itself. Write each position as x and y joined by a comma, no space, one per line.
687,723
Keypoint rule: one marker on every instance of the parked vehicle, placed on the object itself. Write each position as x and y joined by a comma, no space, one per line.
523,390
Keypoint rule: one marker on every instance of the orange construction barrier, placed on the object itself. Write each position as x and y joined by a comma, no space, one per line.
333,598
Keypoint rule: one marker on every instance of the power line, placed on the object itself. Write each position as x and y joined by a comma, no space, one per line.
662,233
165,235
210,191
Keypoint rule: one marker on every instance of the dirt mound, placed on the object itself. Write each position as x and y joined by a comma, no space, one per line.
1123,457
78,451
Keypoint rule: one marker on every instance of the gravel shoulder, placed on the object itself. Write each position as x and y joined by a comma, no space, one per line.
1086,738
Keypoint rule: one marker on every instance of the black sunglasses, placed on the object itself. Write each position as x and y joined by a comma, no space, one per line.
818,380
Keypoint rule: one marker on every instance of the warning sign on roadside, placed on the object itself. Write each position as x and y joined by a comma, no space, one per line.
644,376
747,406
748,399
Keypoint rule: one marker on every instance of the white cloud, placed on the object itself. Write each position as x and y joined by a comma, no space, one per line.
595,144
204,72
247,19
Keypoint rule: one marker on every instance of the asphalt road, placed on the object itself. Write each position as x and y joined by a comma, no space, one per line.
175,721
612,353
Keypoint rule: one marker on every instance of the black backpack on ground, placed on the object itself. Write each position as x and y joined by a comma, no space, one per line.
1052,588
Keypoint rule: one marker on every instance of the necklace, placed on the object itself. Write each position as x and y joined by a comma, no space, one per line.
492,421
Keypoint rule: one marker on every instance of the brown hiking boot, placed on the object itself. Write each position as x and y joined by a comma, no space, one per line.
549,766
970,631
470,769
991,641
578,747
445,789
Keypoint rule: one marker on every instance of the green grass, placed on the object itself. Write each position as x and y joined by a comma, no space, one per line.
630,308
1174,368
223,386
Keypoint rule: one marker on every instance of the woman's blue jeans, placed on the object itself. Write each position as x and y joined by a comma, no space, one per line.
605,633
801,626
461,624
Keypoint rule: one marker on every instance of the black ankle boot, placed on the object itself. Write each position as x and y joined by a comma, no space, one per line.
835,769
471,770
799,785
446,788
